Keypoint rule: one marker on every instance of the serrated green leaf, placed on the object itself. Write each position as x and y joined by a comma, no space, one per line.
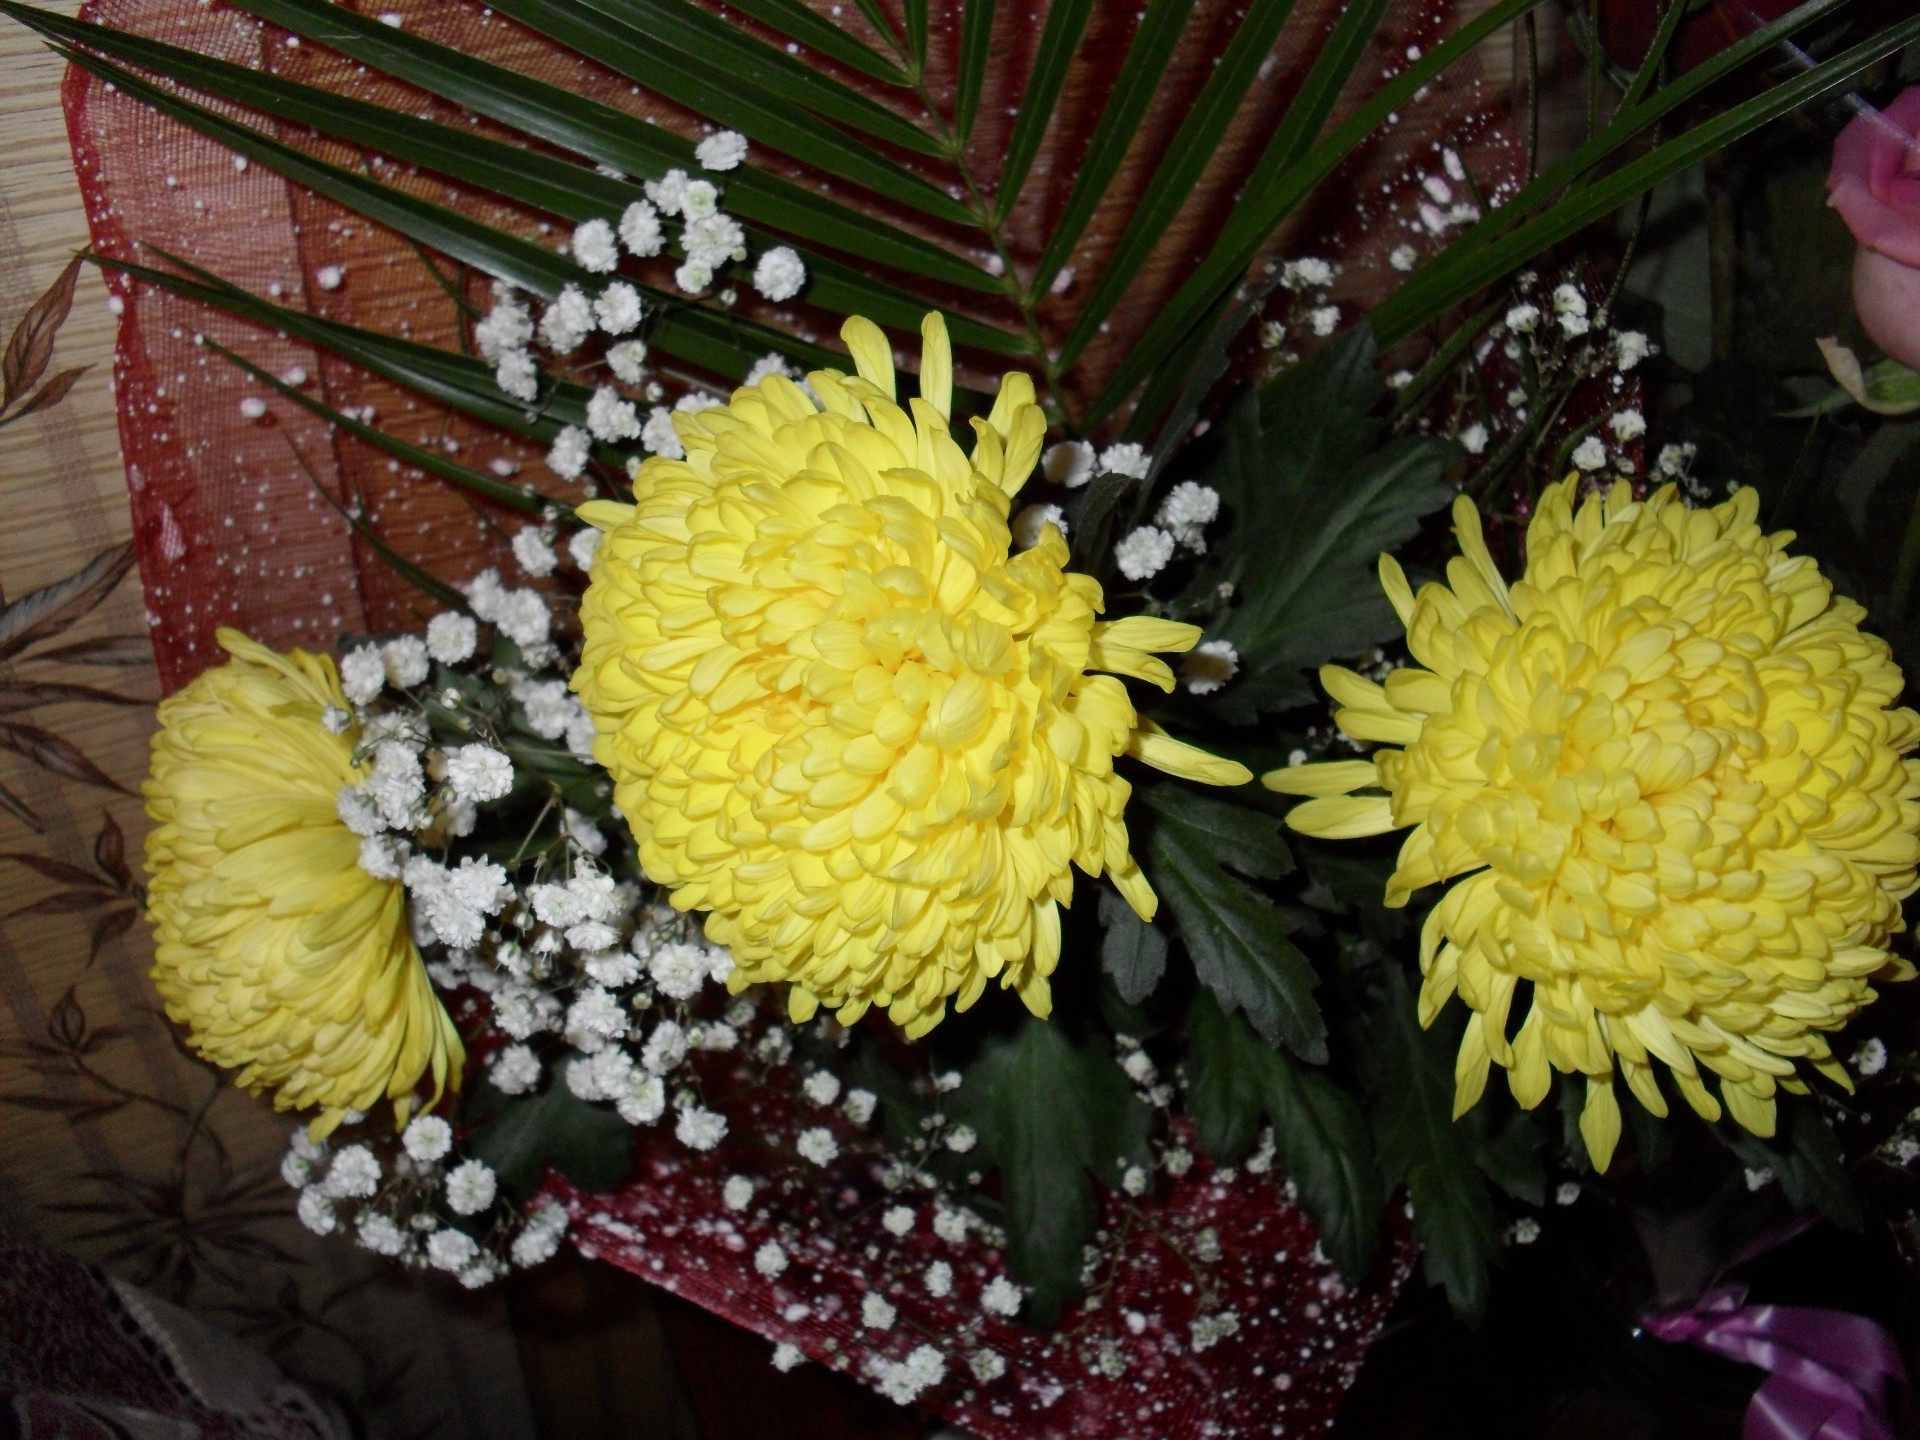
1319,1130
1187,156
1053,1115
592,1147
1133,952
726,100
1314,504
1134,88
1066,23
1234,935
1408,1074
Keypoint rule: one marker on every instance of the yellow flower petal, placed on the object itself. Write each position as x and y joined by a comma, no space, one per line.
1189,762
1342,817
842,719
1664,769
284,959
1332,777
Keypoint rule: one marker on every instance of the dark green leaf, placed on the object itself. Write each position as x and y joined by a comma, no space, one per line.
976,43
431,461
1352,36
1805,1157
1475,260
1053,1116
1133,952
571,191
916,17
1066,23
1312,511
1408,1073
586,127
790,17
1187,156
1262,209
728,100
1134,87
592,1147
1235,936
1319,1131
721,343
686,35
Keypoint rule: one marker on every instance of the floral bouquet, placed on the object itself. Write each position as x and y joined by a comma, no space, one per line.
689,866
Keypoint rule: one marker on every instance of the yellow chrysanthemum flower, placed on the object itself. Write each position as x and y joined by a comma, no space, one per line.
283,958
1668,763
840,718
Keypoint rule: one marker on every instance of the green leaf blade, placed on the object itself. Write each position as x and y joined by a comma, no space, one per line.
976,44
1234,935
1052,1115
1066,23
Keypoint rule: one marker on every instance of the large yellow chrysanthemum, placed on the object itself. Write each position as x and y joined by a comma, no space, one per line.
840,718
284,959
1668,763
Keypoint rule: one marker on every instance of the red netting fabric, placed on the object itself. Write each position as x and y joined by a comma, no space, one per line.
235,516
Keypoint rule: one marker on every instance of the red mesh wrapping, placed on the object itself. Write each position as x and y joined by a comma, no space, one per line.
230,531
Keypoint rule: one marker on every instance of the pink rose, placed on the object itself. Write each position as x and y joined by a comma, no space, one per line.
1875,185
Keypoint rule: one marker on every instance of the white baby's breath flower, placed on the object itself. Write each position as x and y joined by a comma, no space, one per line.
1630,347
569,453
640,230
517,376
618,308
379,1234
315,1211
699,1128
816,1143
1001,1297
567,320
451,1250
479,773
897,1220
1068,464
453,637
353,1175
1473,439
779,274
628,361
822,1087
406,660
659,437
693,277
860,1105
1627,425
427,1139
515,1070
471,1187
1325,319
737,1193
1144,553
699,199
611,416
363,674
1871,1058
533,551
594,247
584,545
1523,319
723,150
1590,453
938,1278
1126,459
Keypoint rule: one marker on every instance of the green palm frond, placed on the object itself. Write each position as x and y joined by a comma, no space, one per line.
906,169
